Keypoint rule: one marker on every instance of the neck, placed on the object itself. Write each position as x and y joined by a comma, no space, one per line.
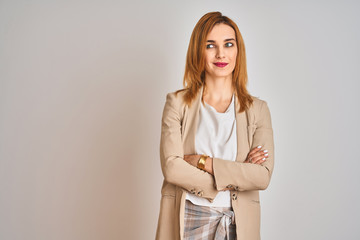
218,89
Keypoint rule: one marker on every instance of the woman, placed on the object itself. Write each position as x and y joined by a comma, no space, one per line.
216,147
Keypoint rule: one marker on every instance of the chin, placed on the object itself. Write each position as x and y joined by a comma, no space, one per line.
222,74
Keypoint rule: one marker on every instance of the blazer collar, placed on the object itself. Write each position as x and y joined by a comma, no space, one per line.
192,119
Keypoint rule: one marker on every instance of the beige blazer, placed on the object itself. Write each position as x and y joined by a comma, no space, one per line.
178,129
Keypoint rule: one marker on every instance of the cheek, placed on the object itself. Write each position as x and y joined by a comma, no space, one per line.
208,58
208,61
233,59
234,55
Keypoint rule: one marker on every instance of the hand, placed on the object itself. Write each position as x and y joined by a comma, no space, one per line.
257,156
192,159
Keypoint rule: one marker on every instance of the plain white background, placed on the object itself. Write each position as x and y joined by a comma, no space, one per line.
82,89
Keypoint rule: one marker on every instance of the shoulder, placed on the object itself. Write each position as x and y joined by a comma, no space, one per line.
261,112
174,103
258,103
176,98
176,95
259,107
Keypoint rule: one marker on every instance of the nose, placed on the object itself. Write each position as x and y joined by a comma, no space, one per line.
220,52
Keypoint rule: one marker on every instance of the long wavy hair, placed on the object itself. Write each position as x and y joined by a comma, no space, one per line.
194,76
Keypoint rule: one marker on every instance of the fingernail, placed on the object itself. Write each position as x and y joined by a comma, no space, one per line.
266,154
258,146
265,151
264,159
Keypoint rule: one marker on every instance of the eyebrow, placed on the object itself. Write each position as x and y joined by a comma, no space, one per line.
229,39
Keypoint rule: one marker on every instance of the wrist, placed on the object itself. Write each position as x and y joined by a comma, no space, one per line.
209,165
202,162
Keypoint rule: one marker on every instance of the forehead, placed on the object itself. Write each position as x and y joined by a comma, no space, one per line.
221,31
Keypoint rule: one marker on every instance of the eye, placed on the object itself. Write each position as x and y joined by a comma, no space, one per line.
209,46
229,44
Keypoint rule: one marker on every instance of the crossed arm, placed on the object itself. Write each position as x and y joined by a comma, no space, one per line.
255,156
219,173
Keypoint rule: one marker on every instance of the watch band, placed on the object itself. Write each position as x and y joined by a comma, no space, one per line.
202,161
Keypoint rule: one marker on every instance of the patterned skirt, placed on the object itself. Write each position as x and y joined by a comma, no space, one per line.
208,223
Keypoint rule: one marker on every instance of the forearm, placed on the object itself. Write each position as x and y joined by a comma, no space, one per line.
233,168
180,173
209,165
193,160
244,176
241,176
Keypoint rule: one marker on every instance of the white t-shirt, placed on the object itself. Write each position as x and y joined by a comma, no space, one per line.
216,137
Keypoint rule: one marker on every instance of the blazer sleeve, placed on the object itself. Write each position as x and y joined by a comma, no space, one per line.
248,176
174,168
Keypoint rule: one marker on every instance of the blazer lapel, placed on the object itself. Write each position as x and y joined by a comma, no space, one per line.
191,120
242,133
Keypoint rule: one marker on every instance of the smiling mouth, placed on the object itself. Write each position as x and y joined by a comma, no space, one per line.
220,64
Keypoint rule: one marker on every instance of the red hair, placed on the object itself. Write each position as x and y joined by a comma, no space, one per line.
194,76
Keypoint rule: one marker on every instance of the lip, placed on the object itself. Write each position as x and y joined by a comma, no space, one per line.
221,64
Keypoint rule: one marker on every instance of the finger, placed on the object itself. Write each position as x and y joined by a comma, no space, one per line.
255,149
252,154
253,159
249,159
262,158
259,153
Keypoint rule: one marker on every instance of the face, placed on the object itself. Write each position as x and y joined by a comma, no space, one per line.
220,51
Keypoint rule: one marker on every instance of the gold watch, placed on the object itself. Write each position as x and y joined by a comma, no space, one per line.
202,161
